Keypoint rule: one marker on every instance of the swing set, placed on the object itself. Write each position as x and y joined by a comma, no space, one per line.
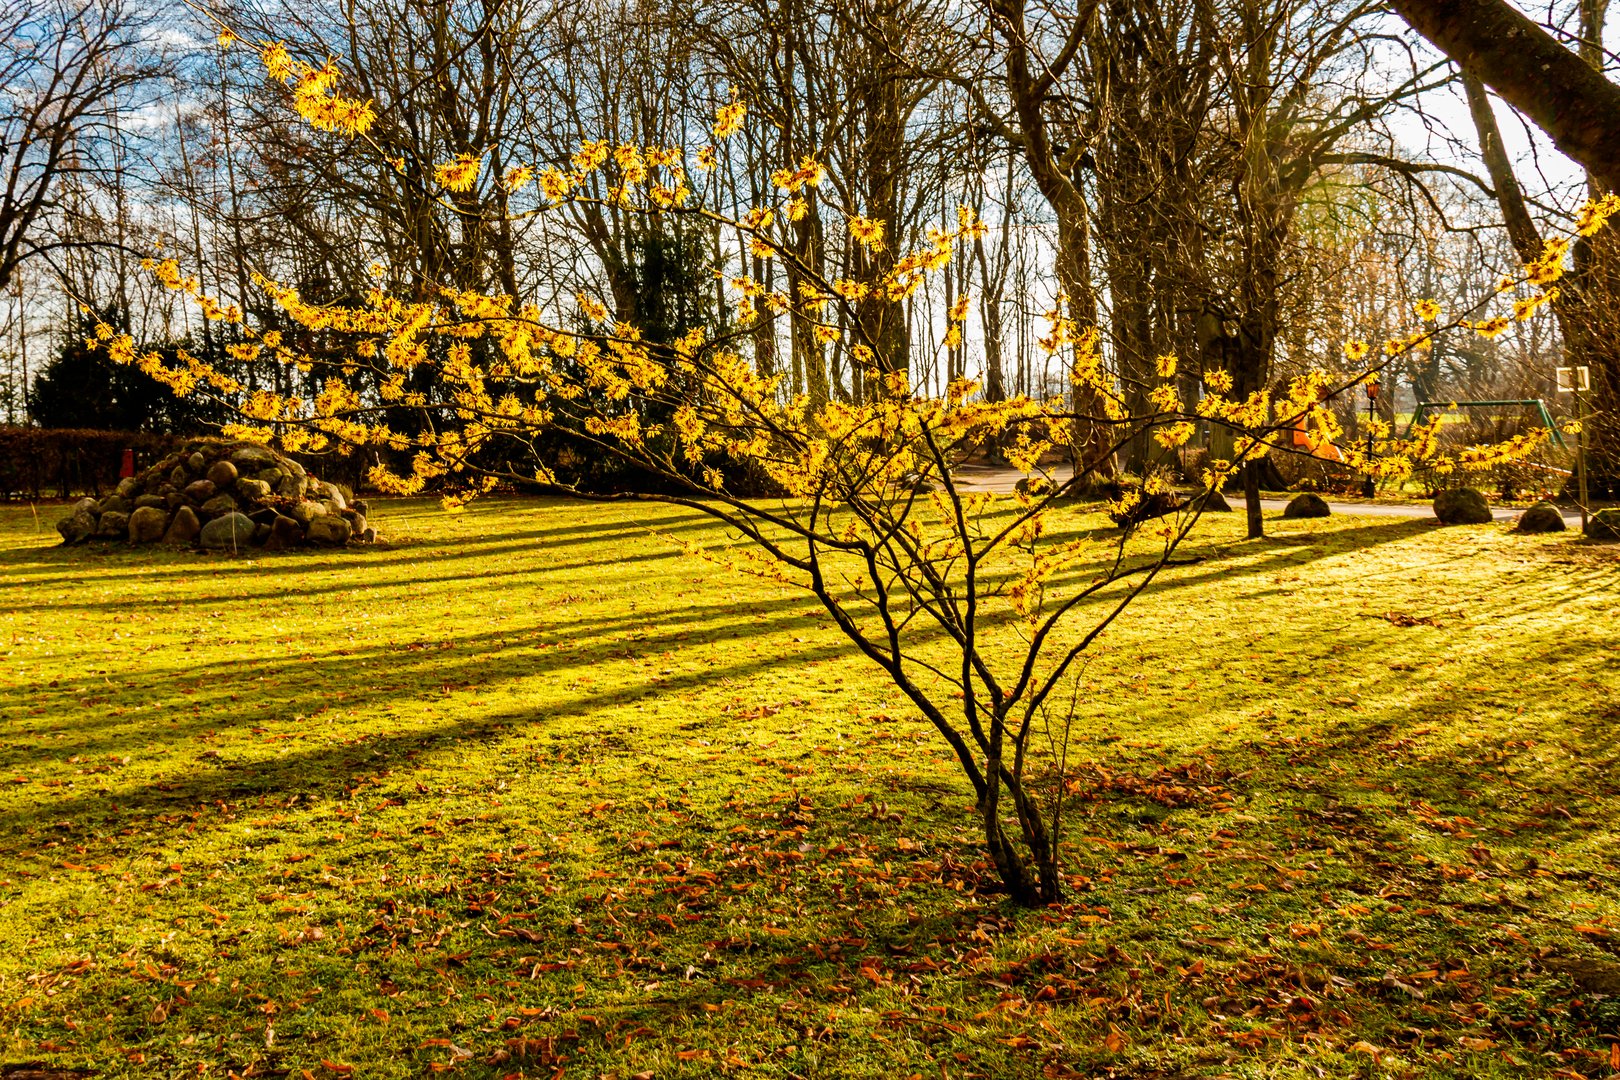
1424,408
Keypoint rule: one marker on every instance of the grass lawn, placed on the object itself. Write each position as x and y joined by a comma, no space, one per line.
528,791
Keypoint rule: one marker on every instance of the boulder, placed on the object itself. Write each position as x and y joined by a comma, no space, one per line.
86,506
200,491
229,533
271,476
197,463
146,525
359,506
1307,504
306,512
1033,487
184,528
1540,518
368,535
1216,503
285,532
356,520
179,477
1462,506
222,473
116,503
77,527
126,487
254,490
153,499
219,504
292,468
113,525
290,487
251,457
1604,525
328,530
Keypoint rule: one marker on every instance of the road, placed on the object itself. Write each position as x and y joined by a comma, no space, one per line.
993,478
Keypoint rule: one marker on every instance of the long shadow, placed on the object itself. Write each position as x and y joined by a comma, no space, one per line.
303,563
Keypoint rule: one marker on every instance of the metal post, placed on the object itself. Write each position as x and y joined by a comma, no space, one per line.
1580,456
1572,380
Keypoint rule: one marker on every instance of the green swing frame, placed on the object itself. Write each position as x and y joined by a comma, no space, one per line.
1425,407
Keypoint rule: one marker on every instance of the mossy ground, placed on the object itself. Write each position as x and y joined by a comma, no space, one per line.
529,792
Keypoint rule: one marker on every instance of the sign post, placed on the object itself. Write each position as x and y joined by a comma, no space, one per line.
1576,381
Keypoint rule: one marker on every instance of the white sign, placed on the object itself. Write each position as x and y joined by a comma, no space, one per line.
1571,379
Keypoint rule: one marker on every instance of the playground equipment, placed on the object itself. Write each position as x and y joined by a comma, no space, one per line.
1426,407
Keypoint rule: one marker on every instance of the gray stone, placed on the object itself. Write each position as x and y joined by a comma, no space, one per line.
253,490
229,533
200,491
1462,506
261,533
1543,517
293,467
329,530
117,504
126,487
251,457
369,536
76,527
1033,487
1604,525
222,473
113,525
285,533
1216,503
85,506
357,522
272,476
179,477
148,500
306,512
360,506
146,525
197,463
1307,504
291,487
219,504
184,528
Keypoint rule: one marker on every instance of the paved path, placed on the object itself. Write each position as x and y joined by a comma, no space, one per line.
993,478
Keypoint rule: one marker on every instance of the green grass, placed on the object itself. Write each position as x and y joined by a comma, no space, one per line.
526,791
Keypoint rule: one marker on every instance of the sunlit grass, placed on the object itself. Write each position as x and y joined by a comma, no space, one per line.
527,789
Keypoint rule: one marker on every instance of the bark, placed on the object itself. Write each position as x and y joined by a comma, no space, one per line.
1515,215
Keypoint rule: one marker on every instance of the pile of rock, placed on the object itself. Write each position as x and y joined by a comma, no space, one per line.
222,496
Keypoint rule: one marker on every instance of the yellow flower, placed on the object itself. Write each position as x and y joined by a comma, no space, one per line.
227,38
518,177
729,119
867,232
1165,364
591,155
277,64
706,159
1356,351
458,175
554,184
1490,328
1427,310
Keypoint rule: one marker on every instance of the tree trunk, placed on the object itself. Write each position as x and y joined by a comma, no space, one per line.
1575,105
